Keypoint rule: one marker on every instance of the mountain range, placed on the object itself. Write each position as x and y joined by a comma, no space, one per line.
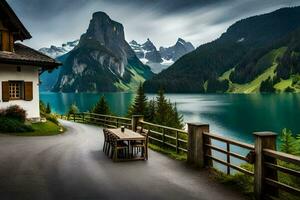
160,59
55,52
257,54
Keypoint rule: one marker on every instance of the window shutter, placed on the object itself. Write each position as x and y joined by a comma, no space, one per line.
28,96
5,41
5,91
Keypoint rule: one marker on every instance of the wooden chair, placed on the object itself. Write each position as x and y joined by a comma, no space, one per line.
142,146
117,147
107,142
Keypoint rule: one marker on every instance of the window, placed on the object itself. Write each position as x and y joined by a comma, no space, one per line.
15,90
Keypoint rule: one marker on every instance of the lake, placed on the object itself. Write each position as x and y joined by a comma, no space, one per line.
234,115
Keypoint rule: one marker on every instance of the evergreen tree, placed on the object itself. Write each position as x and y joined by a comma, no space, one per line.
48,109
161,109
101,107
139,106
73,109
151,112
178,118
288,142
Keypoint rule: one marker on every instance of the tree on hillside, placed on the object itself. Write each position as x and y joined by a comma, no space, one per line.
139,106
267,86
101,107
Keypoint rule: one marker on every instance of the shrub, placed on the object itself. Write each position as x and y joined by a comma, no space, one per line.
11,125
42,108
15,112
52,118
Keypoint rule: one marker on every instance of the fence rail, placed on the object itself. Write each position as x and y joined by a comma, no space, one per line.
209,155
170,137
291,159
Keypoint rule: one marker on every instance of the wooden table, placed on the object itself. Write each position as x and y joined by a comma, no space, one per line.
129,136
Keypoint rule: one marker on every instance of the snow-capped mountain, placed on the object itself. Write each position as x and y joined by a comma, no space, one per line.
162,59
55,51
178,50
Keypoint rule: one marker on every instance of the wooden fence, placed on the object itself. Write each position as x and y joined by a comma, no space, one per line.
167,136
197,143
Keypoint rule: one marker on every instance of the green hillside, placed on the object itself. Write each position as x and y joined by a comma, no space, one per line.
257,54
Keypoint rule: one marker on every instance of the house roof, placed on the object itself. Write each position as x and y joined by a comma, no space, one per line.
12,22
24,55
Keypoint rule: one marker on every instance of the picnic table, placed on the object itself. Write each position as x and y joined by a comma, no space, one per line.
131,139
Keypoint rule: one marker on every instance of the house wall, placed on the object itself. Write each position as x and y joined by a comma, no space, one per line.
27,73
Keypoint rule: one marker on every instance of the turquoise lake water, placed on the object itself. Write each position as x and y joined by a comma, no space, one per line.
237,116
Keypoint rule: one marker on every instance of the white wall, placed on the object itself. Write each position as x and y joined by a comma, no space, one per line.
28,73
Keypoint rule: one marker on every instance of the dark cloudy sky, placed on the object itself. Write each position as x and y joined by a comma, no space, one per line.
163,21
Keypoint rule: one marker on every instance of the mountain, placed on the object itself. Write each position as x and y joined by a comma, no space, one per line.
49,79
102,61
55,51
246,58
177,51
160,59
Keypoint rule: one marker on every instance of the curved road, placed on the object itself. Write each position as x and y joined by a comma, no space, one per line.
73,166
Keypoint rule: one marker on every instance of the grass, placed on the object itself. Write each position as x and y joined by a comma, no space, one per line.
283,84
134,82
254,85
42,129
244,184
238,182
169,152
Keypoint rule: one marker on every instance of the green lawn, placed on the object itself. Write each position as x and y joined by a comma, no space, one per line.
42,129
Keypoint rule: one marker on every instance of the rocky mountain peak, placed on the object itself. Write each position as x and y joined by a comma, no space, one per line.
102,61
104,30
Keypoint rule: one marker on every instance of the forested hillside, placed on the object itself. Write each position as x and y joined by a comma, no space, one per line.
251,55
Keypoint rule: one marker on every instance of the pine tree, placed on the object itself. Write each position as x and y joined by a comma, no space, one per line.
48,109
73,109
151,111
161,109
139,106
101,107
288,142
178,118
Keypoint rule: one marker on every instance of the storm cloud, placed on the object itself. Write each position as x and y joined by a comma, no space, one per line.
163,21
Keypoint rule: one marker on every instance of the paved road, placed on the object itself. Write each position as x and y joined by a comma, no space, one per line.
72,166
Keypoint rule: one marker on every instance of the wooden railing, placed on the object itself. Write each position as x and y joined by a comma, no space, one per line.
98,119
208,147
286,158
199,145
167,136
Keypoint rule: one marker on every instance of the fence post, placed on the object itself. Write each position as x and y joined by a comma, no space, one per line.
83,120
264,140
74,117
177,143
135,120
196,151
